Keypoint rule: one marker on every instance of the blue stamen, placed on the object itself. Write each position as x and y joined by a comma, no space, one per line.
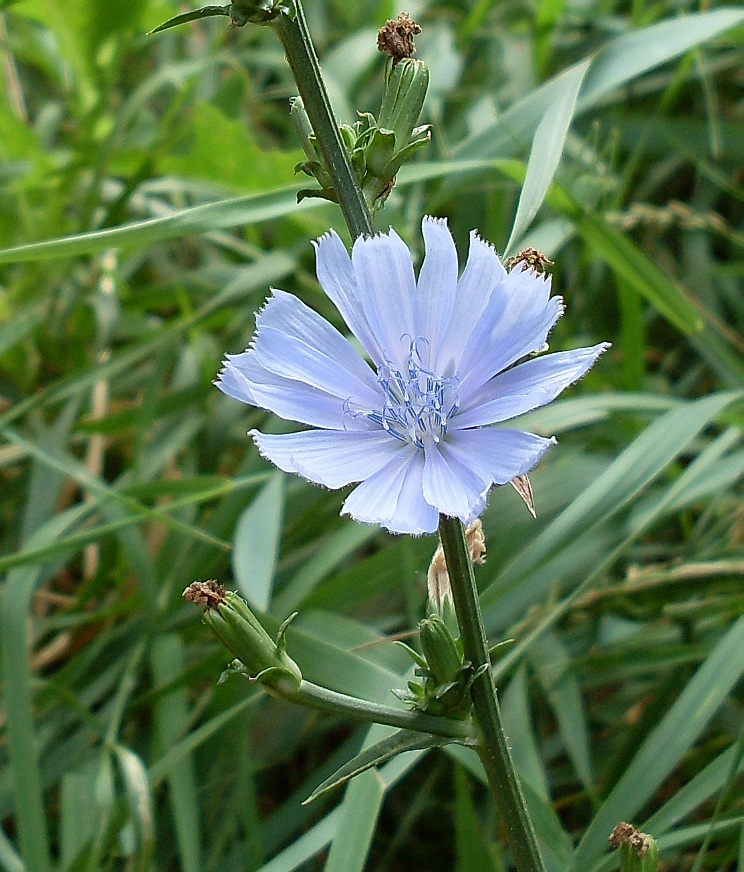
417,403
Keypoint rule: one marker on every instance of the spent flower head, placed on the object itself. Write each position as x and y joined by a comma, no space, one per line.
450,359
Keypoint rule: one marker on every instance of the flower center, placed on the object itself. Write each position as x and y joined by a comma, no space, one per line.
416,403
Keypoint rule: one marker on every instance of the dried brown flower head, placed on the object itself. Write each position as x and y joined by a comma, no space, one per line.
396,37
438,580
532,258
209,594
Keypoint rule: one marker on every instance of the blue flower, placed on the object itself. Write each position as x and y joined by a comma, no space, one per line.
415,428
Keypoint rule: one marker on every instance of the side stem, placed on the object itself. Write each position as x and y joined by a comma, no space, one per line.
303,62
318,697
493,748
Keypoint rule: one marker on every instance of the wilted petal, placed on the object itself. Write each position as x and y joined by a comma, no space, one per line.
526,387
331,458
393,497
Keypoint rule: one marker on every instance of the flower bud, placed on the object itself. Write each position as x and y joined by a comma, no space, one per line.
240,631
442,656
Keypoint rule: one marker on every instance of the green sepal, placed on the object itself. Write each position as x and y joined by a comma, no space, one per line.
281,633
194,15
404,96
391,170
381,752
443,657
319,193
412,653
380,153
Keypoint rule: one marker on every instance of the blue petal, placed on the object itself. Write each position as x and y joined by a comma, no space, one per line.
393,497
330,458
291,400
294,342
387,291
521,327
336,276
232,382
437,283
526,387
495,456
448,486
482,274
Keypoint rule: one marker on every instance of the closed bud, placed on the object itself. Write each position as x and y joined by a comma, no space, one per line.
440,649
240,631
403,100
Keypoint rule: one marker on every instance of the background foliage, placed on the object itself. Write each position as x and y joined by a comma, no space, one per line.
147,203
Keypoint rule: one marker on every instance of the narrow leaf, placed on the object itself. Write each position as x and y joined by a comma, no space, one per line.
547,148
376,755
256,547
668,743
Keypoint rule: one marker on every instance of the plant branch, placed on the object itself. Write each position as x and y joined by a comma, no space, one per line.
313,695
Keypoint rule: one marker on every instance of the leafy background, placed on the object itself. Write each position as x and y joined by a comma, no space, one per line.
147,204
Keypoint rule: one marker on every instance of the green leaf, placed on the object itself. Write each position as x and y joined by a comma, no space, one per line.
637,52
547,148
644,459
252,209
637,271
617,63
238,163
550,659
256,545
23,749
667,744
377,754
172,721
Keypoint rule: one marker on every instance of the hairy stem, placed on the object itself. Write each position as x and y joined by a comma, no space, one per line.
493,748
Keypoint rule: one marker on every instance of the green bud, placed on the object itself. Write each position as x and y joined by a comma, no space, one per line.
240,631
442,656
403,100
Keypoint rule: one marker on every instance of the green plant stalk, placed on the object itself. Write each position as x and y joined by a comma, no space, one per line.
492,748
303,62
313,695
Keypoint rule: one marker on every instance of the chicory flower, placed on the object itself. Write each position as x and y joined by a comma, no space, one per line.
450,358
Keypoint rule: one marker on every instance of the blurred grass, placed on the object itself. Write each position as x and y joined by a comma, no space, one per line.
146,206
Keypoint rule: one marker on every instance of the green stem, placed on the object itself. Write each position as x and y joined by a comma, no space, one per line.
303,62
313,695
493,749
